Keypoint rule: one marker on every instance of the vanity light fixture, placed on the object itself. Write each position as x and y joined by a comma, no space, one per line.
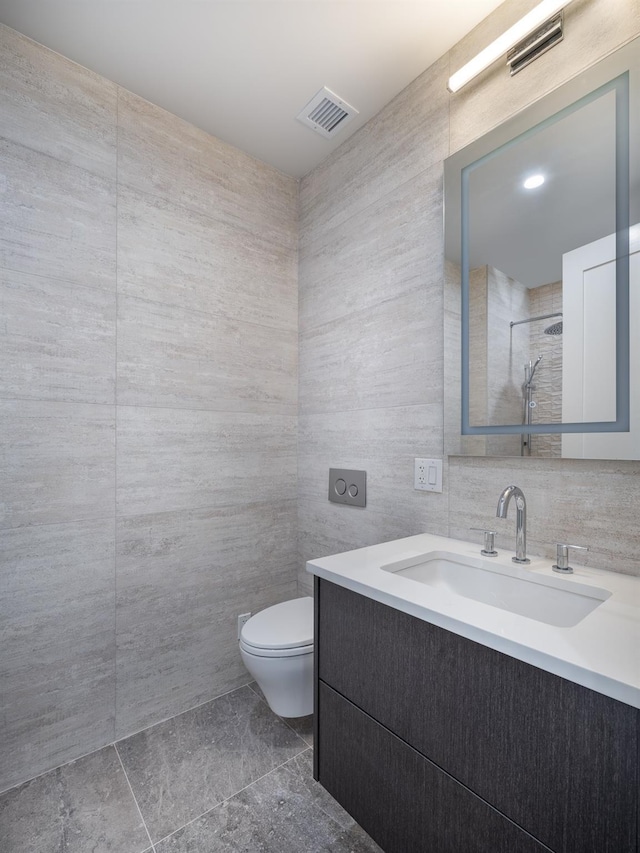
515,34
533,182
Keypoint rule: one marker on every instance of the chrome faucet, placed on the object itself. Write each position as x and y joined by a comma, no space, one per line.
521,519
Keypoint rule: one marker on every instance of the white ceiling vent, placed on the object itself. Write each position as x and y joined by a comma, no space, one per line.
326,113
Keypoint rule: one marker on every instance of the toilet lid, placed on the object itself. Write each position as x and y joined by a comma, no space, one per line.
283,626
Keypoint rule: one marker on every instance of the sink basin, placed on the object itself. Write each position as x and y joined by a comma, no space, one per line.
554,601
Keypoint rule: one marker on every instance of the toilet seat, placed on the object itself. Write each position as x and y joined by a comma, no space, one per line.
282,630
276,653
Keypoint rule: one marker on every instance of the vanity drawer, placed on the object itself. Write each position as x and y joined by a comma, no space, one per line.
401,799
558,759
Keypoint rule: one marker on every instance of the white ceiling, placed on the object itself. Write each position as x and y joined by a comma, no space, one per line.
243,69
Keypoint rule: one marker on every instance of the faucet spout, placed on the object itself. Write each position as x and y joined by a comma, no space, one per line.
521,519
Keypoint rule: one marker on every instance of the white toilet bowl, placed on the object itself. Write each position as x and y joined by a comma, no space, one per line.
276,646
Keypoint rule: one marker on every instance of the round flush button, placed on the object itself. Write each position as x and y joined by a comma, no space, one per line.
353,491
340,487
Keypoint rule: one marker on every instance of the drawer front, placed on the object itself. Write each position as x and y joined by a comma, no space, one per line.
558,759
400,798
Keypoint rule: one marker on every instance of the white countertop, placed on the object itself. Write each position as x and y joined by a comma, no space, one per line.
601,652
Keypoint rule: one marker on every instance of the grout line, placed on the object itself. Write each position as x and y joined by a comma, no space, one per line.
200,409
292,414
55,401
373,511
115,459
214,507
58,523
57,767
69,164
449,101
310,330
235,794
264,775
305,742
328,412
218,315
325,230
115,742
127,515
135,799
254,690
282,719
57,279
254,230
175,716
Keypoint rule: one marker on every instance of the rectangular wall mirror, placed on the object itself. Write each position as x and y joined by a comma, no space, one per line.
542,265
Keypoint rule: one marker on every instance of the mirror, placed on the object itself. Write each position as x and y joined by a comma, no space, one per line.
542,261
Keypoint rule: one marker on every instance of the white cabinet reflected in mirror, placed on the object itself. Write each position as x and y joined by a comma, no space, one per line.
542,248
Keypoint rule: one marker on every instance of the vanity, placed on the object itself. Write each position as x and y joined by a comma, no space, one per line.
448,721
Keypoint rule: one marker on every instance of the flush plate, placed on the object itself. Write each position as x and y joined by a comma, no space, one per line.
347,486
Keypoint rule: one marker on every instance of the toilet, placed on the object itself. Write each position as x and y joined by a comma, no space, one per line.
276,646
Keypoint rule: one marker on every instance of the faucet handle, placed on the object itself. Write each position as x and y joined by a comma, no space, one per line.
562,557
489,549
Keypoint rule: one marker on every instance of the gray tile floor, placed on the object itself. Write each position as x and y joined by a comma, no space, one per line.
227,776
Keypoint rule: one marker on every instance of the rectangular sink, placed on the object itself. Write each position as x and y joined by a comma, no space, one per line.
555,601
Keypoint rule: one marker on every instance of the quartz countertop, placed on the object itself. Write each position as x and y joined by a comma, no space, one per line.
601,652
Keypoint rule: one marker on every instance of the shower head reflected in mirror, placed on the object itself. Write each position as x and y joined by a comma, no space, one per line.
554,329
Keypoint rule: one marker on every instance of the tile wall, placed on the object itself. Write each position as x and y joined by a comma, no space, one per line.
547,299
371,355
148,363
148,399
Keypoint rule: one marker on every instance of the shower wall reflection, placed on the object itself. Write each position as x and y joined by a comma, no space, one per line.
505,348
547,390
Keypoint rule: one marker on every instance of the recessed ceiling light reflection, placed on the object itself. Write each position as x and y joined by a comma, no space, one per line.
533,182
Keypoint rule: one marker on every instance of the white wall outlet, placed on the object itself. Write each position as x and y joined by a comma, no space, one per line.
428,475
242,618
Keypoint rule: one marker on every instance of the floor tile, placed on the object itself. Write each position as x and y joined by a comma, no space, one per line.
284,812
80,807
302,726
182,768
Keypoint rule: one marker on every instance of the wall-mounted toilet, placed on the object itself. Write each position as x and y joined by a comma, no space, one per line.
276,646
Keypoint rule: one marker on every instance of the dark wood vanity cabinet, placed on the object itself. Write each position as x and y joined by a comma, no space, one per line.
436,743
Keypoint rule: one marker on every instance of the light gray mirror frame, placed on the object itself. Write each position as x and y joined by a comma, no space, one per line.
548,111
620,86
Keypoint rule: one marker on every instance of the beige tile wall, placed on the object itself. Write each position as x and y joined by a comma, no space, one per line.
371,356
148,379
378,183
547,299
148,407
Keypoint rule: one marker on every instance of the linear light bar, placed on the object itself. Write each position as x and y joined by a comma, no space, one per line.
505,42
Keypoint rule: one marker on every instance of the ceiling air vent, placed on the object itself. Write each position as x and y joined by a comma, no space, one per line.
326,113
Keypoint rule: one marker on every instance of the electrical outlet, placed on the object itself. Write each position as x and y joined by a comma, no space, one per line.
242,618
428,475
420,473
